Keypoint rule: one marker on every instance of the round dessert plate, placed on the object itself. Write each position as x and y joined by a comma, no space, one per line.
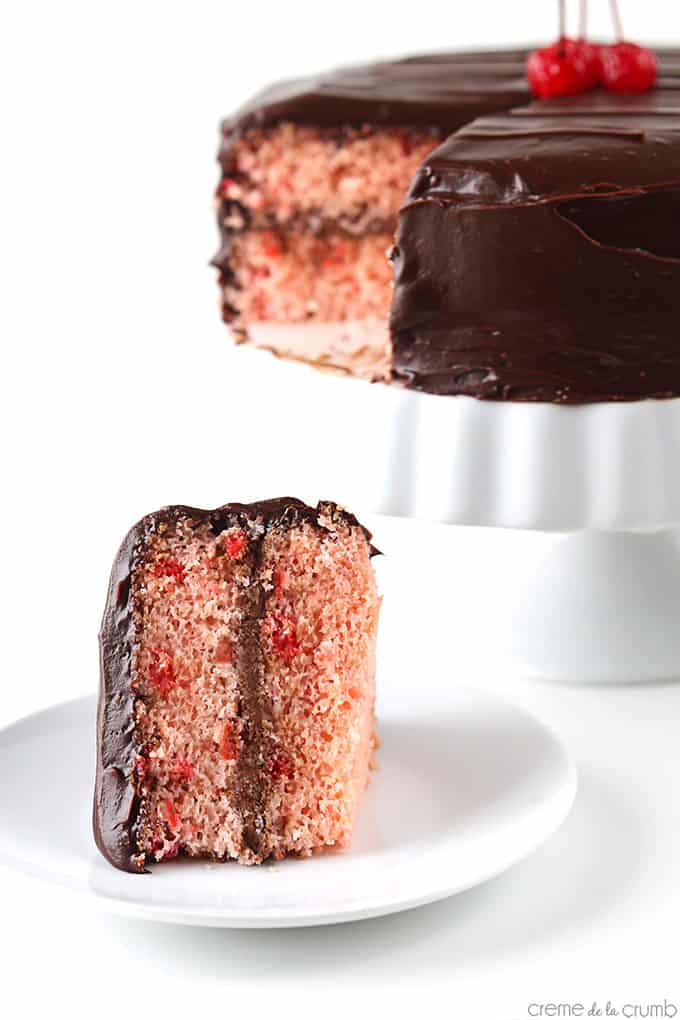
467,786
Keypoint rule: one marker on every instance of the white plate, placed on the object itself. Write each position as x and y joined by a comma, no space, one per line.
468,786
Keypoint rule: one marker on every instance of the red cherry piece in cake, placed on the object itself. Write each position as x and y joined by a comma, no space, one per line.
161,672
279,766
141,766
235,544
169,814
558,70
181,770
226,185
228,744
628,68
284,637
335,255
170,568
271,246
280,578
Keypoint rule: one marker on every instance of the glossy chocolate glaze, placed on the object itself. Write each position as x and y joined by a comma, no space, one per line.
538,256
116,800
440,90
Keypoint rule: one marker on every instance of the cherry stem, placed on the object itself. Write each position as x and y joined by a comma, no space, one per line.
562,24
583,19
616,18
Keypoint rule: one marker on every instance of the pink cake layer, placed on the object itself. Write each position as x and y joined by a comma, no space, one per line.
255,680
301,280
291,173
308,218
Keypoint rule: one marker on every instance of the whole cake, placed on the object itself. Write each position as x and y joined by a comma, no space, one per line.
536,253
236,713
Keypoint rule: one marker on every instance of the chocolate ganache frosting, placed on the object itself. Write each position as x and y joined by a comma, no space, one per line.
440,91
538,253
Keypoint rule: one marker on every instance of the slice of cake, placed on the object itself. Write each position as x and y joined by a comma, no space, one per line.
313,175
236,714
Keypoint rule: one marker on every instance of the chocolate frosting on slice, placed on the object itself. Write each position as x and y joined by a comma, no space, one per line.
116,802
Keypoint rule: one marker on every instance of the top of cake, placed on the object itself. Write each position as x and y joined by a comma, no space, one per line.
446,89
557,149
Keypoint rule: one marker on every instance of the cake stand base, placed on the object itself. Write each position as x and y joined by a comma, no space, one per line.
598,607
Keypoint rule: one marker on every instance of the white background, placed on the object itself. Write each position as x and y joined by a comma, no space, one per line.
120,393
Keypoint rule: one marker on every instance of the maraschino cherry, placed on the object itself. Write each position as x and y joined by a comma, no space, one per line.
625,66
571,67
563,69
591,55
568,67
628,68
559,70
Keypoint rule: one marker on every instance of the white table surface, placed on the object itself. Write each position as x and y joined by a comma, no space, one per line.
120,393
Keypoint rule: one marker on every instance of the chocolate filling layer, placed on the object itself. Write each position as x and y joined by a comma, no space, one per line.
251,782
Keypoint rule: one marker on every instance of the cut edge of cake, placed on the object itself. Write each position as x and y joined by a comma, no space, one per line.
313,174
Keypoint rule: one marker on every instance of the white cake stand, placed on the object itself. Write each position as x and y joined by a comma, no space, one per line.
600,603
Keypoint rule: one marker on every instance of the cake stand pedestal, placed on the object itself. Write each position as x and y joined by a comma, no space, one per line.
600,602
598,607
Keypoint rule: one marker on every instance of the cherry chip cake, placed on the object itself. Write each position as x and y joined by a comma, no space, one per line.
236,713
533,241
